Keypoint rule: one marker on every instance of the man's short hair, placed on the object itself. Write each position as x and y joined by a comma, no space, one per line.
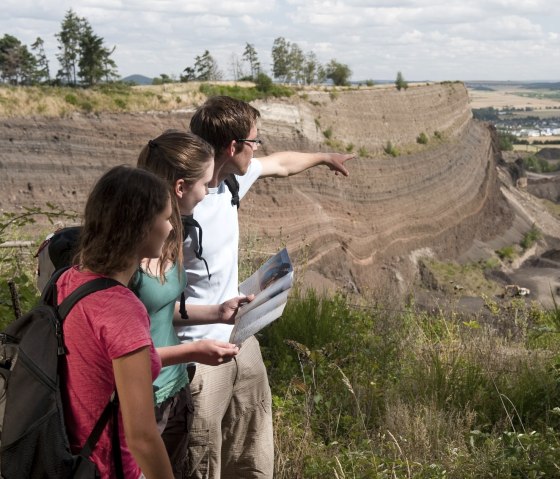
222,119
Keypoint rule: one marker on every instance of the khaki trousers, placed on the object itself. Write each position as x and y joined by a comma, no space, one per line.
174,419
231,435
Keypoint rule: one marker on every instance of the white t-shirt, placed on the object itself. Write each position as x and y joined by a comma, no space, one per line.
220,246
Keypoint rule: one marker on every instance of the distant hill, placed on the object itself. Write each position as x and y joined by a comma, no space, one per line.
543,86
477,87
138,79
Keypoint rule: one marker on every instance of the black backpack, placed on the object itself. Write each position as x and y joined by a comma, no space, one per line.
33,439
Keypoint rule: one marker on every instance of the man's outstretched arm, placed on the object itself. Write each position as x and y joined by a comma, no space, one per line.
288,163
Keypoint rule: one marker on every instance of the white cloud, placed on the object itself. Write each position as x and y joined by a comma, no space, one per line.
426,39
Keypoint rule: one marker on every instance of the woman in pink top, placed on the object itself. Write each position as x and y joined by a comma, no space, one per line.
107,334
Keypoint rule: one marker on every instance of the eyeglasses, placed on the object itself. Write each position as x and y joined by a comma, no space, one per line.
256,141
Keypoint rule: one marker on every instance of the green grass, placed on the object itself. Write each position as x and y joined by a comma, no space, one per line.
367,393
463,279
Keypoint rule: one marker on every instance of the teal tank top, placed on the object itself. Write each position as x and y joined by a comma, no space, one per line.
159,300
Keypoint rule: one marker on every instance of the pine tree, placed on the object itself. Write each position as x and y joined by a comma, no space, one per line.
280,59
95,62
296,62
250,56
400,82
17,64
43,72
69,46
205,69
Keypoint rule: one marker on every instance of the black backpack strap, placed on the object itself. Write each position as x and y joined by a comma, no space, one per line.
183,306
97,284
48,296
189,222
116,442
233,187
111,410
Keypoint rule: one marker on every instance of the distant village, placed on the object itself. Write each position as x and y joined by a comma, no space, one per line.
537,128
529,126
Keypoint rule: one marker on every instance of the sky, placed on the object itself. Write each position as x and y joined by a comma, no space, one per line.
424,39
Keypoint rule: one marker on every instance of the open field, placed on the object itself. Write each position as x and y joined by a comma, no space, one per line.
516,97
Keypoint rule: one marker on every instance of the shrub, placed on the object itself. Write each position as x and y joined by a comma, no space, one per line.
263,83
121,103
506,253
349,147
390,149
422,138
539,165
363,152
370,83
438,134
71,99
17,264
333,95
505,141
530,237
328,133
87,106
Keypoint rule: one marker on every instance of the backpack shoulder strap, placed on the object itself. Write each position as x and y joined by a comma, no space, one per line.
111,411
233,186
97,284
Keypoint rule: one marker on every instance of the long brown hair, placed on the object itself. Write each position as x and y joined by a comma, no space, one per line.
119,213
172,156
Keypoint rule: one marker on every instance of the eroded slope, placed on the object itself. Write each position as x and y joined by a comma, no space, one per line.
354,232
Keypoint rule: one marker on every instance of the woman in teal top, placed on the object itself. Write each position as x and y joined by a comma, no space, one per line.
160,300
186,162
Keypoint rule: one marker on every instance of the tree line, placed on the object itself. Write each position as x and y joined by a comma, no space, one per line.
290,64
83,57
85,60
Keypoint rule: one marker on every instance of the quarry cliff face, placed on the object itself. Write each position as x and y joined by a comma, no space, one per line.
356,233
